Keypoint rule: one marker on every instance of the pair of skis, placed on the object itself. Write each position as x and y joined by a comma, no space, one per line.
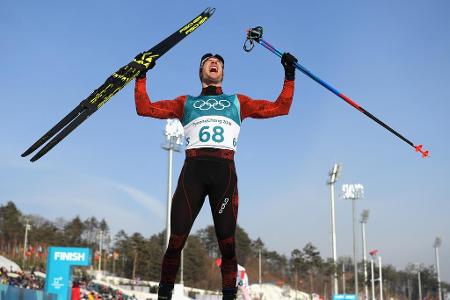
141,63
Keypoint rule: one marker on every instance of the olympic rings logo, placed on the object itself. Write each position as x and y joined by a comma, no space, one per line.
212,103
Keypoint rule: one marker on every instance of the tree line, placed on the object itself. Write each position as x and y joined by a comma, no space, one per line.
138,257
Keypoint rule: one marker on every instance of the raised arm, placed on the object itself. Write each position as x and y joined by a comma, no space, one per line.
267,109
163,109
260,109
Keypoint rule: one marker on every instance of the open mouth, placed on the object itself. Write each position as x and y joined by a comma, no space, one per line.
213,70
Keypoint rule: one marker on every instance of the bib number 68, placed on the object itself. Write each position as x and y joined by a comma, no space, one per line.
205,134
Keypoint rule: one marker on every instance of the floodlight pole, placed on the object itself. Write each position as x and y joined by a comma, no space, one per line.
174,134
373,254
182,268
355,260
100,249
373,277
259,272
364,218
354,192
343,278
25,242
380,277
419,282
169,194
334,173
259,267
437,244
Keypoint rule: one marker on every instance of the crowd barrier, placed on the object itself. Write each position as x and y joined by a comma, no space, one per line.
9,292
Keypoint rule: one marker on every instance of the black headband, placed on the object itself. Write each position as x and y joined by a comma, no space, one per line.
209,55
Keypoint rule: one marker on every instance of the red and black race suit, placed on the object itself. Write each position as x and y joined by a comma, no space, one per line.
207,172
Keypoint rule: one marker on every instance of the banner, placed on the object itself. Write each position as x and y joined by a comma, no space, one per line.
60,261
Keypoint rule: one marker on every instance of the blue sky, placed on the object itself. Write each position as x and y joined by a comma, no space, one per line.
392,57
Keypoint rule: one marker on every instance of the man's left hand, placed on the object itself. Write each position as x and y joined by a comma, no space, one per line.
288,61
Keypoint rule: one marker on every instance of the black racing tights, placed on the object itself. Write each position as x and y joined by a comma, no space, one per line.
200,177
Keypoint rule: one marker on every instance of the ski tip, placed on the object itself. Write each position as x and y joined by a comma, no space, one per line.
209,11
30,150
419,148
37,156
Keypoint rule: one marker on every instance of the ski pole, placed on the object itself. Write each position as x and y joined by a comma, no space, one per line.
255,35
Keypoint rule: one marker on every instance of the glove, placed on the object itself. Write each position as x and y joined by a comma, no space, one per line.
142,58
142,74
288,60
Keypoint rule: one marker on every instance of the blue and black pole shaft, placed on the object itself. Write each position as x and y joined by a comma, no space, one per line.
255,35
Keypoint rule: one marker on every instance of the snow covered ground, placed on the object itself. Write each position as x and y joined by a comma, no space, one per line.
274,292
266,291
9,265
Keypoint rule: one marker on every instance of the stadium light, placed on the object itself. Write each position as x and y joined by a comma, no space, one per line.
334,175
354,192
174,134
363,221
437,244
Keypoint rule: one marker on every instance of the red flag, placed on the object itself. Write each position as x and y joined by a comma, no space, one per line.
219,262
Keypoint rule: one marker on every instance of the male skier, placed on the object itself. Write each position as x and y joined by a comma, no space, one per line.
211,124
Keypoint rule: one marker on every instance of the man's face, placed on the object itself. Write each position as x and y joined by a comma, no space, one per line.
212,71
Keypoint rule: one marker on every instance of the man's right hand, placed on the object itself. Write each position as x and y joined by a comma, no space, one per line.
141,57
142,74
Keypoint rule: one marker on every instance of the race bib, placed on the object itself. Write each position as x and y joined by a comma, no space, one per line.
212,122
212,132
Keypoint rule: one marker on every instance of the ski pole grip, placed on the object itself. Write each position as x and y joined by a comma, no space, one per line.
253,34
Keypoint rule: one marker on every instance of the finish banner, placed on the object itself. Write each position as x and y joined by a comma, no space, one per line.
60,261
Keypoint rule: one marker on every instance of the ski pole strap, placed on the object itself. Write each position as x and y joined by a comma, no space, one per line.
248,45
253,34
